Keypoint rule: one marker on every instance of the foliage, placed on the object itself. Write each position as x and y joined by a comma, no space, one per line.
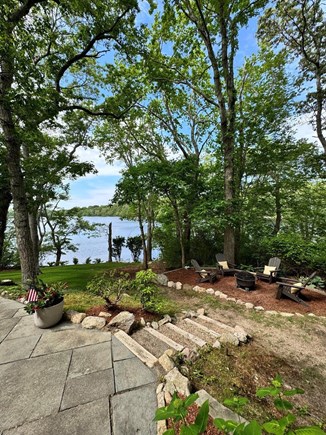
177,410
97,260
47,295
110,286
135,244
75,260
117,243
145,286
104,210
88,260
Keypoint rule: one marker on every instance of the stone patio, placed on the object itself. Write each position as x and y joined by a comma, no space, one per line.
69,380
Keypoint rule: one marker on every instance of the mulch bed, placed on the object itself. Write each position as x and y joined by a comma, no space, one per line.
263,295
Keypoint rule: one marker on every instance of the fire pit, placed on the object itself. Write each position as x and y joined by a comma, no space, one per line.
245,280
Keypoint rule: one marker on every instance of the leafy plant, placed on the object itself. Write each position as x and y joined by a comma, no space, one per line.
97,261
88,260
110,286
177,411
118,243
75,260
47,295
145,287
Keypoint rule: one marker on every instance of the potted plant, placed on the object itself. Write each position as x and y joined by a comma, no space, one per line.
45,302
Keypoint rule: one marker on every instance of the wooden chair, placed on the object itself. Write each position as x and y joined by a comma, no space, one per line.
292,288
221,266
204,275
269,275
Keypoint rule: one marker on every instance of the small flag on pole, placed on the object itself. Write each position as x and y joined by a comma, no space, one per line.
32,295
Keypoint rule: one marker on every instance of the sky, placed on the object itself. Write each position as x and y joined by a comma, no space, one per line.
98,189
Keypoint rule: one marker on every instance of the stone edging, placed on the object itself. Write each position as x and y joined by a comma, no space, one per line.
163,280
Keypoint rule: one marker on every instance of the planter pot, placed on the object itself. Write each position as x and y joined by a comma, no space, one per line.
50,316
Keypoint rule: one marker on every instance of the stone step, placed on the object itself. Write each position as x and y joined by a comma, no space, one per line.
149,342
143,354
171,343
191,337
216,323
206,330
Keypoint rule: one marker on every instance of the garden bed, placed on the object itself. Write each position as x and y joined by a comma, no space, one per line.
264,294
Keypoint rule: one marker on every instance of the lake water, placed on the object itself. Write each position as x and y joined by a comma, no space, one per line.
97,247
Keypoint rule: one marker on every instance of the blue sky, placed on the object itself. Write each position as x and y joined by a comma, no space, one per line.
99,189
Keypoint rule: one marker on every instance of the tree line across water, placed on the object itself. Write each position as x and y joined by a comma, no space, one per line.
212,161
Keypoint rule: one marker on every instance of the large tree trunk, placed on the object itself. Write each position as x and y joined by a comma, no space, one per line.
320,98
5,200
17,183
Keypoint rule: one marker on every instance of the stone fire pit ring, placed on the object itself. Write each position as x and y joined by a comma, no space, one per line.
245,280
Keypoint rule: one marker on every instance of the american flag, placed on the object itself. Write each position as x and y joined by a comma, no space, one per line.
32,295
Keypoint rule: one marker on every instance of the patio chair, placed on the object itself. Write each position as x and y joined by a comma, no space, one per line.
204,275
224,267
292,288
269,272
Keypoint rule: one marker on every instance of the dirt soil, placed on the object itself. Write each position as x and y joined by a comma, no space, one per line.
263,295
114,311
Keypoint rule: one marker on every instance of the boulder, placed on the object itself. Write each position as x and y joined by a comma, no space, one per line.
166,319
259,308
171,284
175,381
231,299
201,311
75,316
142,321
166,362
154,325
162,279
217,344
228,338
124,321
187,287
223,296
210,291
249,305
105,315
93,322
241,334
178,285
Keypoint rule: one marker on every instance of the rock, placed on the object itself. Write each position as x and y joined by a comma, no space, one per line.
75,316
218,293
240,302
196,288
166,362
299,314
231,299
171,284
178,285
167,397
154,325
124,321
4,293
259,308
148,324
228,338
187,287
159,388
210,291
166,319
184,370
142,321
241,334
105,315
162,279
284,314
311,315
223,296
170,352
201,290
201,311
175,381
217,344
186,352
271,312
93,322
249,305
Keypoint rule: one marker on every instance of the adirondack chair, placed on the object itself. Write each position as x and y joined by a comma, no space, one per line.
224,267
292,288
269,272
204,275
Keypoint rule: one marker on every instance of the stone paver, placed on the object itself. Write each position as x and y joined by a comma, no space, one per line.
89,419
18,348
125,371
120,351
63,380
138,405
83,361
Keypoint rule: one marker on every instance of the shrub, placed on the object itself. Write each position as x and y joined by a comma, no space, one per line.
97,261
88,260
110,286
75,260
145,286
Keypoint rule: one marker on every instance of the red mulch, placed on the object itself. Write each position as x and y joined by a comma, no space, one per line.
263,295
114,311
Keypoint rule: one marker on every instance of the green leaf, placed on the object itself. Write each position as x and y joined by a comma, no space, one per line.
267,391
273,427
190,400
202,417
282,405
164,414
227,425
277,381
169,432
189,430
312,430
293,392
287,420
253,428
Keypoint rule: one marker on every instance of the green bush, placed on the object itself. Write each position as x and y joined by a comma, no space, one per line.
145,286
110,286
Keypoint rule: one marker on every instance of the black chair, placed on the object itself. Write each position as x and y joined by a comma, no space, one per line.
224,267
269,275
292,288
204,275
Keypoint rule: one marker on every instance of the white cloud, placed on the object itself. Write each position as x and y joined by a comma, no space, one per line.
103,168
90,194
